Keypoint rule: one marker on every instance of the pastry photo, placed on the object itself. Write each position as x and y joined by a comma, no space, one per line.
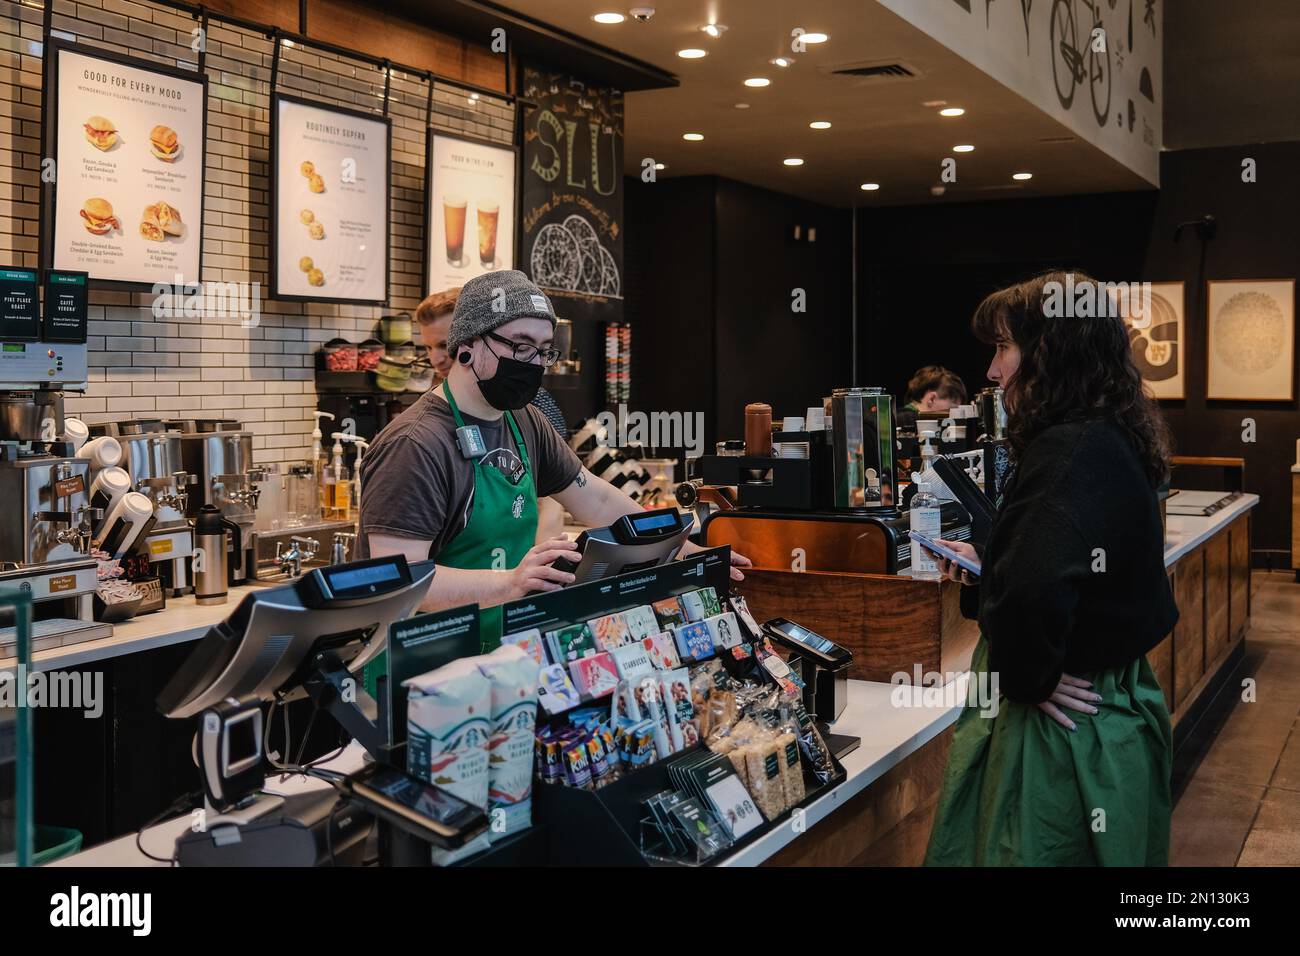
163,143
306,216
97,216
316,231
314,182
305,264
101,133
159,220
315,277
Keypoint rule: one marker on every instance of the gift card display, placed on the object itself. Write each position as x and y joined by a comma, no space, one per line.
694,642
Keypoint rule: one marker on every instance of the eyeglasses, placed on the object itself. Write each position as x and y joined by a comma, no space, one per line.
525,352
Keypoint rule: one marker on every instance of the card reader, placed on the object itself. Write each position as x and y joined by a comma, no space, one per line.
635,541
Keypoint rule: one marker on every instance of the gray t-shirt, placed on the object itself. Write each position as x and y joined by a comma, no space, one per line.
415,483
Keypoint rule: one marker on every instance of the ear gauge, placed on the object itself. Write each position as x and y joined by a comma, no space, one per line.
464,358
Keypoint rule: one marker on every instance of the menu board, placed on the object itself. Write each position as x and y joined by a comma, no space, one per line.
571,209
329,205
469,211
128,145
19,310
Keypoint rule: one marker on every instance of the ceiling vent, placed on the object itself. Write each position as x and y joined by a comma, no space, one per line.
874,70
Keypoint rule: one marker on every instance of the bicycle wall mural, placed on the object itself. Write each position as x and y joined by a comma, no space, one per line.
1095,65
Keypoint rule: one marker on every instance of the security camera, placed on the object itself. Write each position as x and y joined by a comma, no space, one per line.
937,190
642,14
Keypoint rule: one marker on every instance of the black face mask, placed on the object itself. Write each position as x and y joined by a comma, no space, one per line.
514,385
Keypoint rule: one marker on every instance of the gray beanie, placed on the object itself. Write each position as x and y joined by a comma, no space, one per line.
491,300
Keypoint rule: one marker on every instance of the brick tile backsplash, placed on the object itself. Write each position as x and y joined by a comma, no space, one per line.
141,364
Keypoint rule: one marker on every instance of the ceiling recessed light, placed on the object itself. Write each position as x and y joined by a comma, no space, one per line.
819,124
1022,176
952,111
661,165
287,43
871,187
691,53
714,30
779,61
742,106
964,148
814,38
609,18
693,137
793,161
757,81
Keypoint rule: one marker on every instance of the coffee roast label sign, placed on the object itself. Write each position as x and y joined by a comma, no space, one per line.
65,307
572,215
19,309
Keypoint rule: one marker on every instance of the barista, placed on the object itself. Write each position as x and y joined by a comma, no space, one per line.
932,389
433,315
423,496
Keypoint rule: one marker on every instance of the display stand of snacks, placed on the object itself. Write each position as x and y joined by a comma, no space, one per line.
678,758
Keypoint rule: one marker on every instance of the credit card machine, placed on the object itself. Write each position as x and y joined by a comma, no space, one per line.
633,542
825,667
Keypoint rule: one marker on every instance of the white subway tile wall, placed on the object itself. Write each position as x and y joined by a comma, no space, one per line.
262,376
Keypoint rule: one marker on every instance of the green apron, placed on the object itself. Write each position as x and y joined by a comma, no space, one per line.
502,528
1021,790
502,524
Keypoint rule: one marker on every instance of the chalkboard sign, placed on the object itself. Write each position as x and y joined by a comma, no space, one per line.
572,197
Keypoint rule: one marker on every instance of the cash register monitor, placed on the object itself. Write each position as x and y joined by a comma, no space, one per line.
270,643
633,542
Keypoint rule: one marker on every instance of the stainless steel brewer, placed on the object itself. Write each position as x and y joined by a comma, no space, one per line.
52,521
228,480
862,433
151,455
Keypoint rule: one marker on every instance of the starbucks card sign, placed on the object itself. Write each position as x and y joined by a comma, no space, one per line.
125,191
329,203
470,211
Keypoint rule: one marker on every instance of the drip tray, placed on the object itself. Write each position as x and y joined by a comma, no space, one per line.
54,632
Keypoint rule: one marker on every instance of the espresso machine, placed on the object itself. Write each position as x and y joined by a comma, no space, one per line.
151,455
220,455
46,530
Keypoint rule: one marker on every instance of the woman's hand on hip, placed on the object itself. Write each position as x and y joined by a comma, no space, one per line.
1074,694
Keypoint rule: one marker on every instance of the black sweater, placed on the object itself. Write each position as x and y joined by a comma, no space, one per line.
1078,502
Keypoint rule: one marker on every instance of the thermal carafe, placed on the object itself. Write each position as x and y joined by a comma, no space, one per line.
210,567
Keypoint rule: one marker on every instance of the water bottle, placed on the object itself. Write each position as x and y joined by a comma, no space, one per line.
924,517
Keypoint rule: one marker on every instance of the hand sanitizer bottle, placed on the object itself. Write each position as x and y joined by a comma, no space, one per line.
924,517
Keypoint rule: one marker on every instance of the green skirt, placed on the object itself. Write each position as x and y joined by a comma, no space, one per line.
1021,790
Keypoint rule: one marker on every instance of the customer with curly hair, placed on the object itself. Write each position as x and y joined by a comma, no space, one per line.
1073,769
